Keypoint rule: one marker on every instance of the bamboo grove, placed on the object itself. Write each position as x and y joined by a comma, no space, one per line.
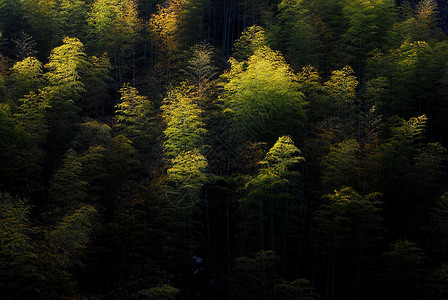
223,149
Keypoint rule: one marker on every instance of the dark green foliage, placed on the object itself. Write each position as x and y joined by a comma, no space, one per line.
412,167
297,33
96,83
92,134
146,149
11,15
299,289
348,236
162,292
68,189
121,164
7,148
69,238
17,251
370,28
72,17
94,171
255,279
41,22
406,261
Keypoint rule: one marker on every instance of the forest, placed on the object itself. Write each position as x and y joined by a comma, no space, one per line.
224,149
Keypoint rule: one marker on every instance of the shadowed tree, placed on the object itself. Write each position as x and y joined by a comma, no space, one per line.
348,236
18,271
68,189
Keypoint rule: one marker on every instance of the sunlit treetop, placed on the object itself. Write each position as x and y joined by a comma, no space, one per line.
421,23
166,22
281,157
114,23
200,68
263,95
134,113
251,39
184,126
67,63
28,69
188,168
342,85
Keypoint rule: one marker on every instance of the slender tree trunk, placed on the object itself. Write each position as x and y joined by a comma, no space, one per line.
133,65
117,85
208,235
333,271
224,35
244,232
168,71
417,281
184,225
229,286
272,224
260,212
358,281
214,251
265,283
313,276
209,30
271,205
285,238
299,253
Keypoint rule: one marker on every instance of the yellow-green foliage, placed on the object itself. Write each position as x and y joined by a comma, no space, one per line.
263,96
182,116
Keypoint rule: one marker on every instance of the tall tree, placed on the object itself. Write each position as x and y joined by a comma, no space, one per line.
72,18
26,77
121,163
32,132
63,251
296,33
97,80
114,28
135,117
42,24
370,28
261,94
273,206
406,261
411,169
348,236
201,69
182,116
165,26
421,22
66,67
341,90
